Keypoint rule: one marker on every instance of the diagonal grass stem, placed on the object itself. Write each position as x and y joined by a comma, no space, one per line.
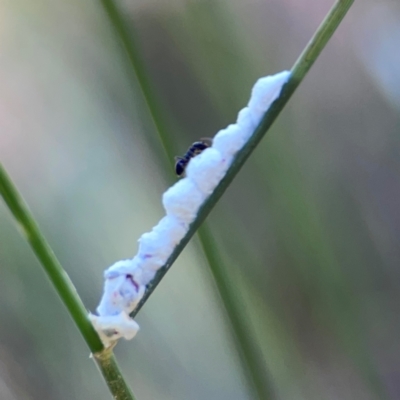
64,287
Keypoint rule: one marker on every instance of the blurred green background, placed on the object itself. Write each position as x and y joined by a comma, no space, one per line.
308,233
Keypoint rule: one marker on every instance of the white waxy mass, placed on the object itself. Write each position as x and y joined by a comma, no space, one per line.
206,170
182,200
126,280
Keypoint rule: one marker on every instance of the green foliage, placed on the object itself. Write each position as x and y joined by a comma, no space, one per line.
285,283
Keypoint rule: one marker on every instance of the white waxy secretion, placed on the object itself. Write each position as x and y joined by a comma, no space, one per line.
173,228
126,280
229,141
183,200
120,267
206,170
155,247
245,123
264,93
114,327
121,291
146,274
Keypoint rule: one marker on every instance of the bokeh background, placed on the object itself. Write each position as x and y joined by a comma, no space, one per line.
308,234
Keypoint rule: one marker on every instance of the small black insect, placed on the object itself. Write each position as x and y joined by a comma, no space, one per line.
195,149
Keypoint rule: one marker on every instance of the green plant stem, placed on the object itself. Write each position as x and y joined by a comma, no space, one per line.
298,73
63,285
132,53
108,367
51,265
251,355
